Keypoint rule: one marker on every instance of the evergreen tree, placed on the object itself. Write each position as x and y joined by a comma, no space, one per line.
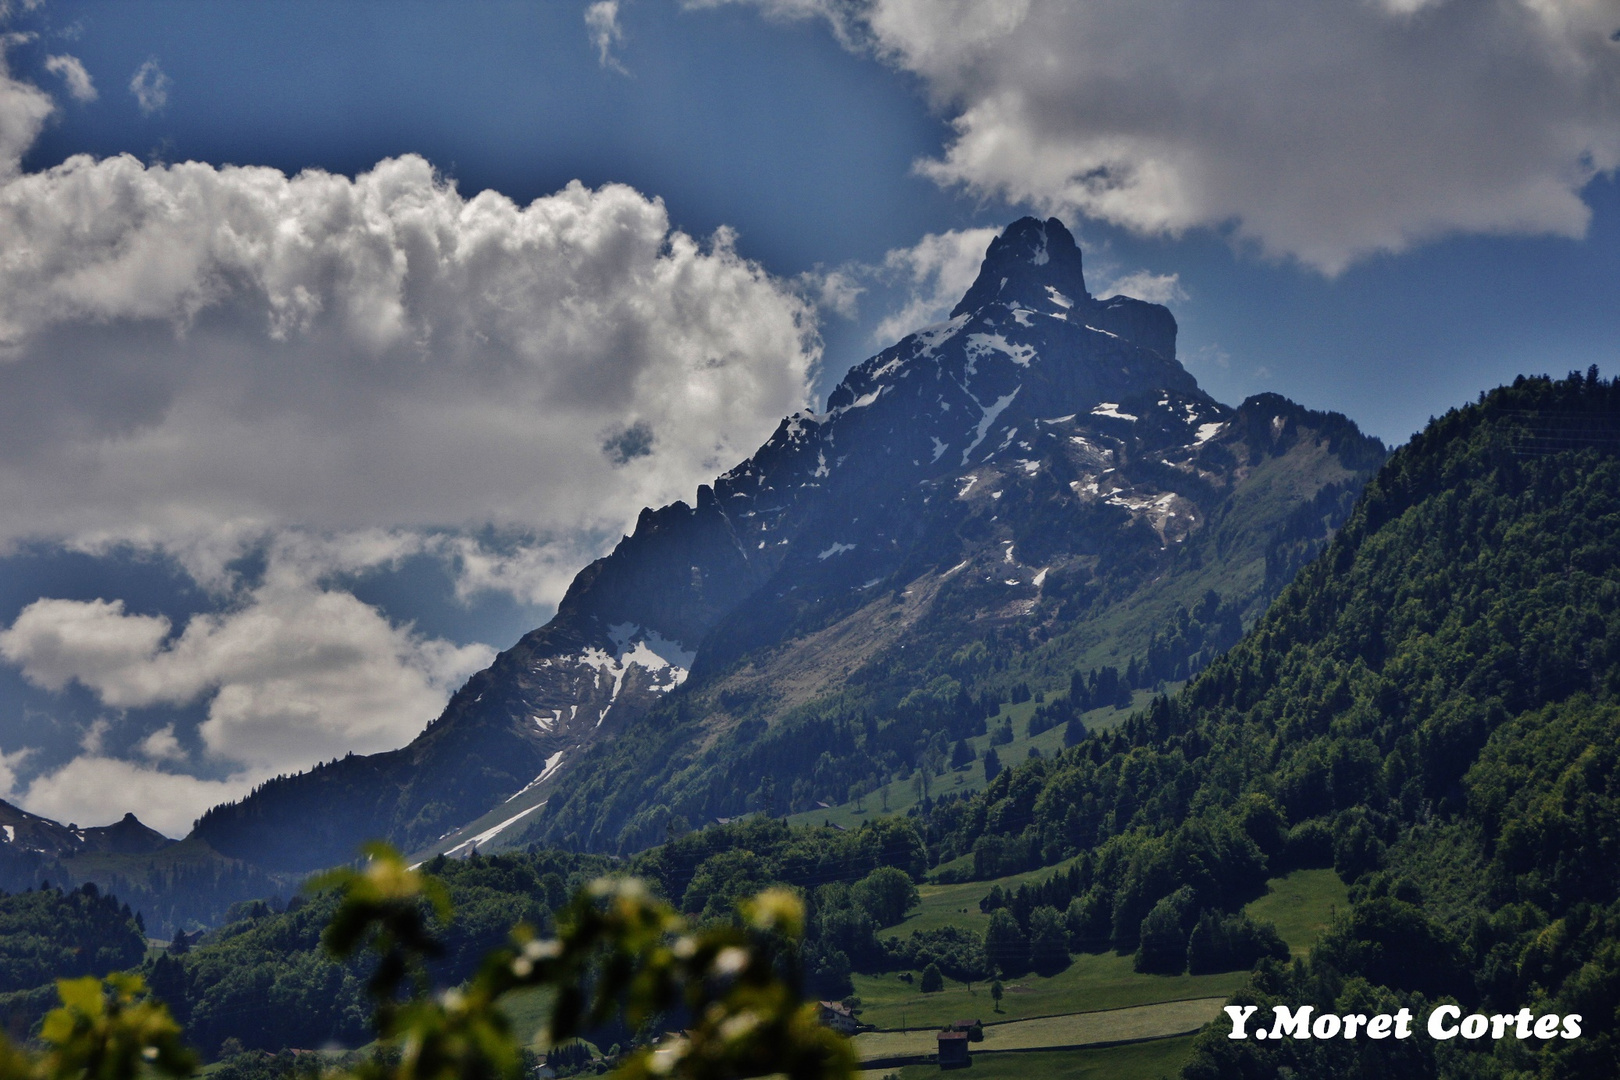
961,754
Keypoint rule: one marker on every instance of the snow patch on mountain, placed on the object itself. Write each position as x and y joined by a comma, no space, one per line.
989,417
930,338
980,346
648,649
665,660
489,834
553,763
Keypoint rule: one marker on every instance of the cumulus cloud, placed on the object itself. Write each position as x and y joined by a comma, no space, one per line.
534,572
935,271
93,790
162,745
56,641
838,291
9,764
194,352
150,86
293,674
1146,285
1319,132
71,71
602,23
920,283
91,742
23,111
335,374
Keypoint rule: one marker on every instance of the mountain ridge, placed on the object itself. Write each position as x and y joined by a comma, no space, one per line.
1107,452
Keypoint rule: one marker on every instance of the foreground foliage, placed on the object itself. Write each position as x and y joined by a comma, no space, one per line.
51,934
618,953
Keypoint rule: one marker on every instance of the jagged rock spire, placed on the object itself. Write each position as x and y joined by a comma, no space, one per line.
1029,257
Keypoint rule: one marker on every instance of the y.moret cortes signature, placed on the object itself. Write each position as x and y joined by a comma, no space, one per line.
1444,1022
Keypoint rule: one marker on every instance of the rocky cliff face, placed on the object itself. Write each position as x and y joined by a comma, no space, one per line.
1037,436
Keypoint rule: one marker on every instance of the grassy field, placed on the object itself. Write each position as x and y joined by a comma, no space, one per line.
898,796
1155,1060
959,904
1080,1029
527,1011
1092,983
1301,905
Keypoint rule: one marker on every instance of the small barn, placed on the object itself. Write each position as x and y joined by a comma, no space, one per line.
953,1049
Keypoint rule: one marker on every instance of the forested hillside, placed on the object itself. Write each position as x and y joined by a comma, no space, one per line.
1431,709
50,933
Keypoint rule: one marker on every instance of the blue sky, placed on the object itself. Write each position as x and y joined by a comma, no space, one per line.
287,454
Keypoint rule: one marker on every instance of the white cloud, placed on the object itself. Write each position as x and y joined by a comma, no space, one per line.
72,72
1322,132
602,22
94,790
293,674
197,355
91,742
838,291
936,271
23,111
162,745
536,573
9,764
150,86
339,374
58,641
1146,285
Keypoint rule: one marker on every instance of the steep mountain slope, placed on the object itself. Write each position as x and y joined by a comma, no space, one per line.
1433,709
1035,483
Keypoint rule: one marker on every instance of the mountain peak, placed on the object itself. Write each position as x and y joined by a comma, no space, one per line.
1029,257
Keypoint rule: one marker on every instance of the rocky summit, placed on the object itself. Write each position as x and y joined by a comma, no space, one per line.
1037,474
